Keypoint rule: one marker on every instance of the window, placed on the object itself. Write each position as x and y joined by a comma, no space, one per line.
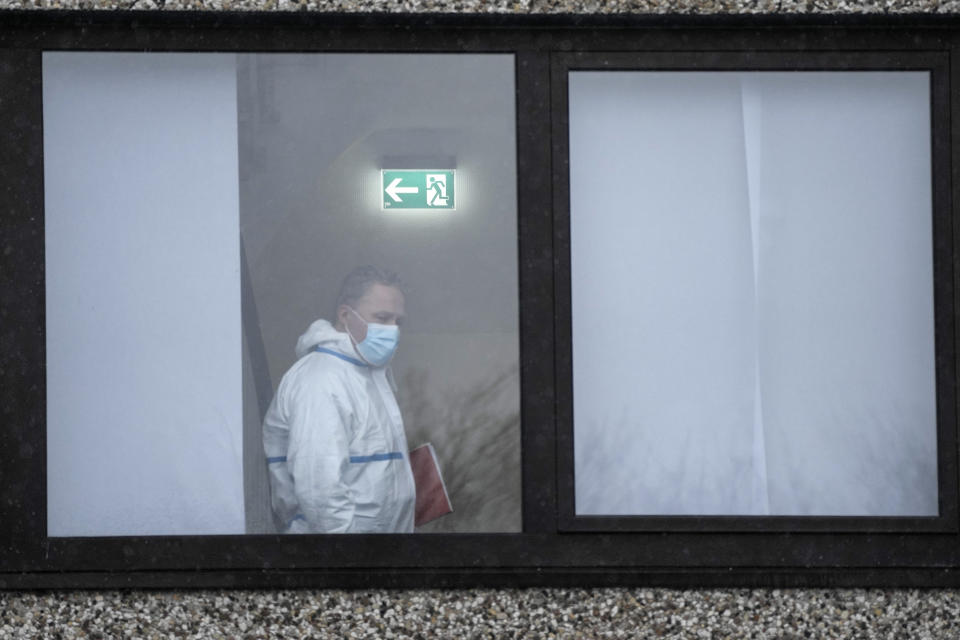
277,163
752,293
678,302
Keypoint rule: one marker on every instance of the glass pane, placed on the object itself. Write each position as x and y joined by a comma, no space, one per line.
202,212
752,293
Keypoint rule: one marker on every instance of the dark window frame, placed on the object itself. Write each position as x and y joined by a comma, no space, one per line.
937,64
554,548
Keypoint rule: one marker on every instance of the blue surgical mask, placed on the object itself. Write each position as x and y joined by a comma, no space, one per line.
380,344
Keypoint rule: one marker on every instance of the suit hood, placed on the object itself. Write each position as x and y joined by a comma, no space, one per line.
322,333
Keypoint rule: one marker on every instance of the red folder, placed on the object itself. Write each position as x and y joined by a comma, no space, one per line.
432,498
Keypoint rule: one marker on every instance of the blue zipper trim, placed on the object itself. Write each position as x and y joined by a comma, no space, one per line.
299,516
337,354
378,457
277,459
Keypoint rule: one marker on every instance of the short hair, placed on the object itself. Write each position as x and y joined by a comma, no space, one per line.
359,281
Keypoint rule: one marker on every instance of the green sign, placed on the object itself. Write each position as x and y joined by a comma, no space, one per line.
417,189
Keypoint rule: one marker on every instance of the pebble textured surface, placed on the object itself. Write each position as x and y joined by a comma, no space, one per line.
483,613
512,6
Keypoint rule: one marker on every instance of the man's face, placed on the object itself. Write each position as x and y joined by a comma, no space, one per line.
381,304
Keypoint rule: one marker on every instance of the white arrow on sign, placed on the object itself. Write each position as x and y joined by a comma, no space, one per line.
392,190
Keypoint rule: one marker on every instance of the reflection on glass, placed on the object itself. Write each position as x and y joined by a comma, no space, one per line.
752,293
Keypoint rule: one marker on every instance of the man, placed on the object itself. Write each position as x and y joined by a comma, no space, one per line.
333,436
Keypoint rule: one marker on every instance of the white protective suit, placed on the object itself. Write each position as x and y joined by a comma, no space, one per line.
336,450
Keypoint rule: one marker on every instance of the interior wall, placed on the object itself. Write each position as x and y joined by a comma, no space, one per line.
314,133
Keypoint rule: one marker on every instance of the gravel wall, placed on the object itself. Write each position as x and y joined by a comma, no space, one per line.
486,613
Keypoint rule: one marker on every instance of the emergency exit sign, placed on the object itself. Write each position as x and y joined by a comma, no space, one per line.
418,189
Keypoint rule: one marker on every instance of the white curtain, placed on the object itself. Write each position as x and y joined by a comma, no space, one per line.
144,429
752,293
